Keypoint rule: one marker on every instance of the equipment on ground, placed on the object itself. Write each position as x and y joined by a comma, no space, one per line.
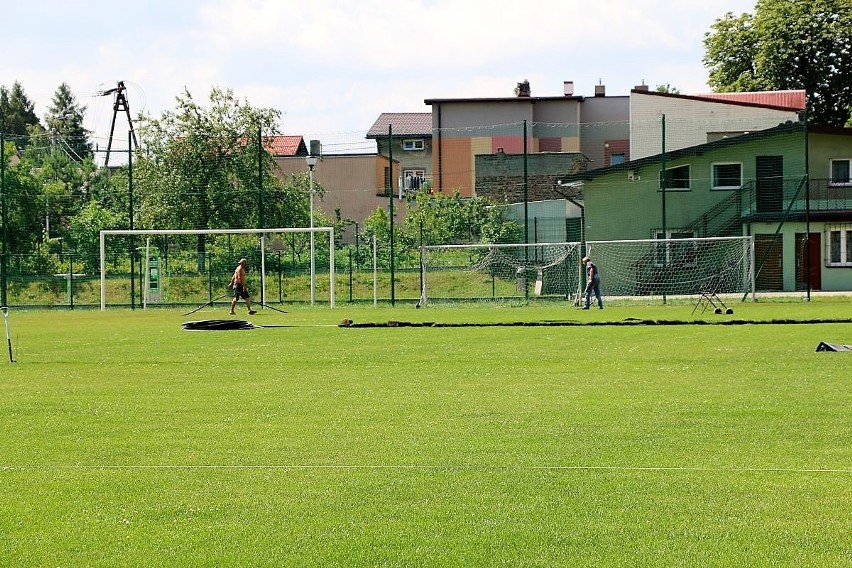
5,311
823,347
708,295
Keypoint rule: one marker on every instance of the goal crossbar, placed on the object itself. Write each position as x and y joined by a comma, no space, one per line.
260,232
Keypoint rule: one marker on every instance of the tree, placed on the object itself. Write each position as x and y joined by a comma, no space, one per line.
199,168
65,121
16,111
51,181
667,88
442,219
787,45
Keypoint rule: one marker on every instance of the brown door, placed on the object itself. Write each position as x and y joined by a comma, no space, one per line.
807,254
768,257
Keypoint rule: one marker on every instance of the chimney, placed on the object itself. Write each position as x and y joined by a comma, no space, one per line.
569,88
600,90
643,87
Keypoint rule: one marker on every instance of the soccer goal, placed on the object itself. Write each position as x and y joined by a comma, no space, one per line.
666,268
499,271
630,269
187,266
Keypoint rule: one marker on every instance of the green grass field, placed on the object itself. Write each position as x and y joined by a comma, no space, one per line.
127,441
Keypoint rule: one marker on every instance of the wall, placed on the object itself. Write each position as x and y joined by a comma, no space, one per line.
352,183
688,121
618,208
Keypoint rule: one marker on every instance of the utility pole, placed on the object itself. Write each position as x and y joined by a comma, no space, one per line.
119,104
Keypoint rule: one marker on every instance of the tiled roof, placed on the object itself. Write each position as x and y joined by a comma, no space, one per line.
280,146
779,100
402,124
788,99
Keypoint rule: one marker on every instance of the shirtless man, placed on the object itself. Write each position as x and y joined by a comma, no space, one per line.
238,283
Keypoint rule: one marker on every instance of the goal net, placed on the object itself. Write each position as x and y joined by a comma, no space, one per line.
630,269
187,267
499,271
675,267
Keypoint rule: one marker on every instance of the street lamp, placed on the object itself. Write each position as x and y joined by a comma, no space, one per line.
312,161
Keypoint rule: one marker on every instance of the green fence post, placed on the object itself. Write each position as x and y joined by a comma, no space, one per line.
4,264
71,280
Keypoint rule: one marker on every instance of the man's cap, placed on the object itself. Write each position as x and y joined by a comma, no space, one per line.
243,261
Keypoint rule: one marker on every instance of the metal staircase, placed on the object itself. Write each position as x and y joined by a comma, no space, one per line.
725,218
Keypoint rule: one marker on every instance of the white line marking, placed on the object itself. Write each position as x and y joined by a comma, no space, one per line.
439,467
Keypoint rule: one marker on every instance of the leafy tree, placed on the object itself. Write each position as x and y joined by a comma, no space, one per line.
199,167
453,219
16,111
84,233
442,219
21,192
65,121
805,44
52,186
667,88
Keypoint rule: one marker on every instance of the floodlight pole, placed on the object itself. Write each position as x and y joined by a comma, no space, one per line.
311,160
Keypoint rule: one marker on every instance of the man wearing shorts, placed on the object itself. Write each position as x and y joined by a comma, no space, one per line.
238,283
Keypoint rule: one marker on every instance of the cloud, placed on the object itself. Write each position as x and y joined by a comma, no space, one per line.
336,65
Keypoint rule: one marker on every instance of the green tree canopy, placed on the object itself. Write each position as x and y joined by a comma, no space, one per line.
17,112
65,121
805,44
667,88
202,167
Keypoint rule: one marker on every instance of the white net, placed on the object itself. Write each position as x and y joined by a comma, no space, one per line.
186,267
499,271
674,267
645,269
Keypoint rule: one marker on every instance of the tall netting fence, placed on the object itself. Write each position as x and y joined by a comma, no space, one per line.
386,196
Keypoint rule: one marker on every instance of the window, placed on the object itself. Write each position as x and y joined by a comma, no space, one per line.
411,145
616,159
840,172
676,178
839,245
727,176
674,254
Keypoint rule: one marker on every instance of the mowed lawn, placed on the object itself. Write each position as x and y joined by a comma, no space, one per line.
127,441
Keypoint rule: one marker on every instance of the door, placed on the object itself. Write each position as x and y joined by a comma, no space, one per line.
807,254
769,186
768,256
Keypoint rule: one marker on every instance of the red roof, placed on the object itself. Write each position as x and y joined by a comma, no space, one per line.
781,100
788,99
402,124
280,146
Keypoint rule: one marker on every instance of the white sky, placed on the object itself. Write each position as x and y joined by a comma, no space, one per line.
332,66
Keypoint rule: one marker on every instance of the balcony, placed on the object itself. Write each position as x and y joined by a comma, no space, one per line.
775,200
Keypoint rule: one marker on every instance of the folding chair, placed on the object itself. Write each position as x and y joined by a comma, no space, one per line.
708,296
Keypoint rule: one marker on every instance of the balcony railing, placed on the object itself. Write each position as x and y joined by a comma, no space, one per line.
789,198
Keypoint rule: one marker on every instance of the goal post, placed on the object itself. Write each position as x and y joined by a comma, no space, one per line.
114,256
662,268
499,271
638,269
